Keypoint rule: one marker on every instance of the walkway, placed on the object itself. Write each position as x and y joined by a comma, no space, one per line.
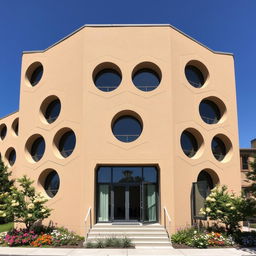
124,252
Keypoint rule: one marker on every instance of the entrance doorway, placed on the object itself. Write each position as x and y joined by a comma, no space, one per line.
127,193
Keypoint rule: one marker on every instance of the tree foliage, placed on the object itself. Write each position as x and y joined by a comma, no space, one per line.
228,208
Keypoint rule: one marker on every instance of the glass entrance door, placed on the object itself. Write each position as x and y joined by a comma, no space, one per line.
126,205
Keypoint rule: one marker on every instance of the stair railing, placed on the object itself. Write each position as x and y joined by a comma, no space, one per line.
88,216
167,220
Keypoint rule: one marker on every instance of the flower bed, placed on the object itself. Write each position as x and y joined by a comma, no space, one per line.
41,237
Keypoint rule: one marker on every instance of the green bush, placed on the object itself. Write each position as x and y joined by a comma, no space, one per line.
183,235
110,242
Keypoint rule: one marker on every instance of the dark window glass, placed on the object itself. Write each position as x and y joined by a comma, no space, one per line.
67,143
209,112
52,183
194,76
127,128
36,75
16,127
205,176
52,111
146,79
188,143
104,175
127,174
107,80
150,174
245,162
218,148
3,132
37,149
12,157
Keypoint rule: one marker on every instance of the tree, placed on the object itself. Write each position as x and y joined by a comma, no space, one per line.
251,176
6,184
228,208
25,204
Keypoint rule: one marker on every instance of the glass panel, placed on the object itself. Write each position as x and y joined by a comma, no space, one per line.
52,183
127,174
53,110
218,148
146,79
119,202
209,112
134,202
150,174
188,143
36,76
12,157
194,76
104,175
127,129
3,132
150,203
67,143
107,80
103,203
201,191
37,149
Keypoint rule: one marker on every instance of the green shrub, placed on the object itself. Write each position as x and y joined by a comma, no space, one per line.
183,235
110,242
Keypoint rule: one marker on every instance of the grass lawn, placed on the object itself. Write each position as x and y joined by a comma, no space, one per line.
6,227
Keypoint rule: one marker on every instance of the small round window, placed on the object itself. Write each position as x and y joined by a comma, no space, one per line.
146,76
37,149
52,183
35,73
107,77
209,112
188,143
196,73
3,131
11,156
127,128
218,148
67,143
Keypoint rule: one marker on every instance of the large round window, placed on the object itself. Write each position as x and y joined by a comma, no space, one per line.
127,128
15,126
107,77
146,76
3,131
37,149
35,73
52,183
188,143
67,143
218,148
209,112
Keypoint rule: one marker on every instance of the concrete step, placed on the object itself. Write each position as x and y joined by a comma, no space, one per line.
143,236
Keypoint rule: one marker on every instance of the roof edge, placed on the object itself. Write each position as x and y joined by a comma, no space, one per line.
12,113
127,25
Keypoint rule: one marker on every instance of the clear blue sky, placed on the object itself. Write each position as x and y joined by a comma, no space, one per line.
223,25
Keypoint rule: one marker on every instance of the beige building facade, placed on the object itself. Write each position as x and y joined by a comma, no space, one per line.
125,124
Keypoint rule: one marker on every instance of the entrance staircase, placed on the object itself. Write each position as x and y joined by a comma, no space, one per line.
142,236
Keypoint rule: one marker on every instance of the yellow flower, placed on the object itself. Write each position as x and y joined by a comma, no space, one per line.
31,206
29,215
207,209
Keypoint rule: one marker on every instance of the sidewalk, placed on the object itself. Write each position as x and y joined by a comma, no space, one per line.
125,252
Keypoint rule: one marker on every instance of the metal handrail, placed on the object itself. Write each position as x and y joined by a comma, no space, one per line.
166,214
85,220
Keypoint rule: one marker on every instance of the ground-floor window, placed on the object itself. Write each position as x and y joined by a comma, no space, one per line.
127,193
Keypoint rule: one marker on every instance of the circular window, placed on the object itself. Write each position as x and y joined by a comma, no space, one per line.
15,126
146,76
107,77
218,148
66,142
35,73
196,73
188,143
3,131
127,128
205,177
209,112
50,108
37,149
52,183
11,156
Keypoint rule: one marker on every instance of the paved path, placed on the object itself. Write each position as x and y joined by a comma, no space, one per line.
124,252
